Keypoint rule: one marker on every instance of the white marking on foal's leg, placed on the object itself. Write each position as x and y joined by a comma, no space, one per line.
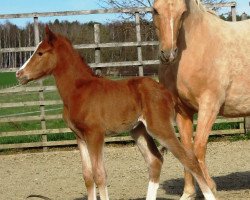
152,190
25,64
94,193
104,193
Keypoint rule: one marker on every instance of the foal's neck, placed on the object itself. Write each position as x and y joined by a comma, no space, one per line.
70,68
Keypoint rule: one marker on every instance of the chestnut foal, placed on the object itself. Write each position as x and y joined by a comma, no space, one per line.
95,107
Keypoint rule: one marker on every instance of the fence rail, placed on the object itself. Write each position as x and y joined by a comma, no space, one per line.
41,115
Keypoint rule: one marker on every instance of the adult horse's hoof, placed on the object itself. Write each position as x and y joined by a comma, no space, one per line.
187,196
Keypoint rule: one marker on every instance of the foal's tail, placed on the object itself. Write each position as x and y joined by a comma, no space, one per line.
38,196
163,150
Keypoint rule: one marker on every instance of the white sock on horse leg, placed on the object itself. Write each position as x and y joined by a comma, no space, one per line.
152,190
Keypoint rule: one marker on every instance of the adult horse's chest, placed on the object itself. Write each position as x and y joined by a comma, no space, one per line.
187,87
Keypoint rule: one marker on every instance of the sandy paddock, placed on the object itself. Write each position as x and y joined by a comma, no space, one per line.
58,174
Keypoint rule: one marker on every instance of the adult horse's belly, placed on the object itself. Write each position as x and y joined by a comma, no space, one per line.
237,102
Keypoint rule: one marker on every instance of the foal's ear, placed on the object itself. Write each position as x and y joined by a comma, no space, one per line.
50,36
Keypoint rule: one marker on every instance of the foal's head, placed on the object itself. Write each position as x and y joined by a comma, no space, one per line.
167,19
42,62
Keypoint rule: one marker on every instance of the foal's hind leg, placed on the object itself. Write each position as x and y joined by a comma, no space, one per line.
152,157
162,130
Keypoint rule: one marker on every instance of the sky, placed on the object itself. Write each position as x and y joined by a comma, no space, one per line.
29,6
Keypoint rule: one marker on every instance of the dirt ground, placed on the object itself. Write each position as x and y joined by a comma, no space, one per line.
58,175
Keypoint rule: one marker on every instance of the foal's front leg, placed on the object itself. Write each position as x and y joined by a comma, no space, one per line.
87,169
95,143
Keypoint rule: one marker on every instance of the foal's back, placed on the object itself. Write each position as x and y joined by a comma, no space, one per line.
116,105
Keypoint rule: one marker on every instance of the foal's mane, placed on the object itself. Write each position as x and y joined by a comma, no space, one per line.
65,41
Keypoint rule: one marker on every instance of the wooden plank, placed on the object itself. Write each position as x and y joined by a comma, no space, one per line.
35,132
30,103
80,12
89,46
59,143
97,11
30,118
225,120
221,5
123,64
126,63
107,140
18,89
37,144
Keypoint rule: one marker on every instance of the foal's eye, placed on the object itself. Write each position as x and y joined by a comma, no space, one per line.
40,53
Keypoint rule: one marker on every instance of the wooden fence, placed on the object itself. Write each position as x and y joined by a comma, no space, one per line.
40,89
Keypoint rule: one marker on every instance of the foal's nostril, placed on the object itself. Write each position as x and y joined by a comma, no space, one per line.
17,74
176,51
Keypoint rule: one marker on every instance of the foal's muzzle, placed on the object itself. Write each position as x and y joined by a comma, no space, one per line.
22,79
168,56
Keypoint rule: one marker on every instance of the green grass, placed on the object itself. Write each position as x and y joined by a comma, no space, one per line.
8,79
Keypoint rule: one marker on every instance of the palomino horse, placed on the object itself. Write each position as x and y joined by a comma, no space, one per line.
206,65
94,106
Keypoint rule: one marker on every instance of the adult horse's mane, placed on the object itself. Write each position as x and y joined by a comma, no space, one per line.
204,8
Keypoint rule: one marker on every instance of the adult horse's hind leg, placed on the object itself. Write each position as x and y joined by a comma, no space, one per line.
152,157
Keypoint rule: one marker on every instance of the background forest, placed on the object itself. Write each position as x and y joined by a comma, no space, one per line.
116,31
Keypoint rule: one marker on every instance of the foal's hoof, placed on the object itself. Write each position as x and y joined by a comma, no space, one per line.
187,196
214,190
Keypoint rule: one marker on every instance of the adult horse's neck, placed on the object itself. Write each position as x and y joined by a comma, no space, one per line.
193,23
70,68
194,13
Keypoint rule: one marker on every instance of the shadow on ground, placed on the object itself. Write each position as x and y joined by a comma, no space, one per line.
230,182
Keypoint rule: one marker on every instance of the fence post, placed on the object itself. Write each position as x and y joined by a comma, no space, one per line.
138,39
97,42
243,16
247,124
247,119
233,12
41,94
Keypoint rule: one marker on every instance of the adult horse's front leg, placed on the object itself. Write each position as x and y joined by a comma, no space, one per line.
185,124
208,111
152,157
95,143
